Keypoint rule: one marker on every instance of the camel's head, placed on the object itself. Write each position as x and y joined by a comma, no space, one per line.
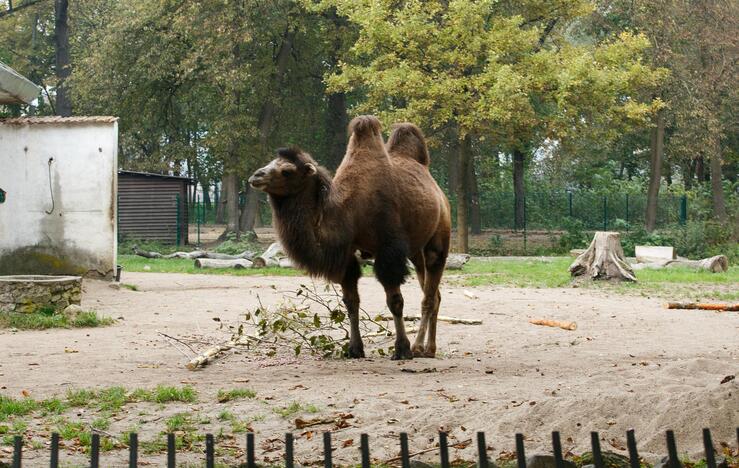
289,173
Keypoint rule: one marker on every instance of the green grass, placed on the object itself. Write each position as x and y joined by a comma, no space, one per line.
553,273
295,408
114,398
235,394
43,321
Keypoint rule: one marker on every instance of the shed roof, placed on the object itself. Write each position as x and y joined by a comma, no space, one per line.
15,88
56,120
151,174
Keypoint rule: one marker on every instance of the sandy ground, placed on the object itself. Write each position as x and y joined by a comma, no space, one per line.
630,364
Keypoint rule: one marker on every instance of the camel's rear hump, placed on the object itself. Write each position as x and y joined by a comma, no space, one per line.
408,140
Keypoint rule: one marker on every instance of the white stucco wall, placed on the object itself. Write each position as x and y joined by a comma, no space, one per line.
79,235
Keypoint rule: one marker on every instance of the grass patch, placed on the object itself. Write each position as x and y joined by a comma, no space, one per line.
16,407
114,398
235,394
132,287
295,408
538,273
44,320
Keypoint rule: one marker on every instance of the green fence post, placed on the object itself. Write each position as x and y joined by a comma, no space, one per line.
198,215
627,211
524,224
177,201
683,210
569,202
605,212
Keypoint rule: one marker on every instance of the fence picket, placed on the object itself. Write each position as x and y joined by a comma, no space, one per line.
133,450
171,451
54,459
289,452
405,458
364,448
327,462
557,449
95,451
708,445
482,451
674,461
443,450
17,451
520,453
597,455
633,453
250,450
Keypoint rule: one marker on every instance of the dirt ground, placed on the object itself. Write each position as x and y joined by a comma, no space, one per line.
630,364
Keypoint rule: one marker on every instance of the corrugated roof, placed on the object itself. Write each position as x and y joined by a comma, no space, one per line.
55,119
151,174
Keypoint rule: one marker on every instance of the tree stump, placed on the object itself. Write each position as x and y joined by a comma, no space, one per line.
604,259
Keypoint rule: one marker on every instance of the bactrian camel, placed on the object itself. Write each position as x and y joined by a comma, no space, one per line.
384,203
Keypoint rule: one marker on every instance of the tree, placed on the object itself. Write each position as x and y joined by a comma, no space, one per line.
490,70
63,58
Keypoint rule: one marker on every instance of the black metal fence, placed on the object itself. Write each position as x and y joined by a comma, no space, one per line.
366,461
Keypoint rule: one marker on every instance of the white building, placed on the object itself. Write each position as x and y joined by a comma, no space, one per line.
58,185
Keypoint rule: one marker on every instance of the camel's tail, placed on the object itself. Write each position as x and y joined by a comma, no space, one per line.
365,126
408,140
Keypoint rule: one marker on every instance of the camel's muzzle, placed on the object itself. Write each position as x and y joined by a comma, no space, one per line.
258,180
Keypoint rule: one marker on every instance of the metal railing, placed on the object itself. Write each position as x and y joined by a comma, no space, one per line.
364,449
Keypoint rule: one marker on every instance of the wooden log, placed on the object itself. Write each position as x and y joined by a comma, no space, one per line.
209,354
555,323
456,261
215,263
702,306
604,259
715,264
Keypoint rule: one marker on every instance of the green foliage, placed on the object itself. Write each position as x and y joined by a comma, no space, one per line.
574,236
234,246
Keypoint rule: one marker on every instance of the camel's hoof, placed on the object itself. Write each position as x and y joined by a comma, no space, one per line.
355,352
402,351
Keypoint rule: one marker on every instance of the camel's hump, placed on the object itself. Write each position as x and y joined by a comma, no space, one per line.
408,140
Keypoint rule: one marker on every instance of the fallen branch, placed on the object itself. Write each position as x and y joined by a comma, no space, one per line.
208,355
702,306
554,323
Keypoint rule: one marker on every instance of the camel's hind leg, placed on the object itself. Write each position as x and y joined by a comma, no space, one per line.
350,293
435,254
419,262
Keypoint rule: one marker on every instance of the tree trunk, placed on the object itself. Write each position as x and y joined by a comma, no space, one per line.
519,191
655,165
717,189
337,122
63,60
464,148
604,259
474,197
266,118
700,170
249,212
231,188
206,196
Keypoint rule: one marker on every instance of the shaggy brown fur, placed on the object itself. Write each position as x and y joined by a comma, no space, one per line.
382,202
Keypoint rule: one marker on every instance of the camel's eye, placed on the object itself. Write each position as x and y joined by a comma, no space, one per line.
288,172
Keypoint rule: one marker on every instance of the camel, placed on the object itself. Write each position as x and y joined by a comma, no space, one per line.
382,202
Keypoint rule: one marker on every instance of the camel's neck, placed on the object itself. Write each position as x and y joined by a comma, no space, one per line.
311,231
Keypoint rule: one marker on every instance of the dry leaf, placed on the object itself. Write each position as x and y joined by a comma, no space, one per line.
347,443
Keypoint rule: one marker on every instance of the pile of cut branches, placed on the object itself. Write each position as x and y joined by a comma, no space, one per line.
308,320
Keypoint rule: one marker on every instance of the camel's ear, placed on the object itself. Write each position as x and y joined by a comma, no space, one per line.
310,169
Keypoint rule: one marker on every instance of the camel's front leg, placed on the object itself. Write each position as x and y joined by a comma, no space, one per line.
395,304
350,297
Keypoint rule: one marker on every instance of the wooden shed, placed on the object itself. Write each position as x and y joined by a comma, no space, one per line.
153,207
